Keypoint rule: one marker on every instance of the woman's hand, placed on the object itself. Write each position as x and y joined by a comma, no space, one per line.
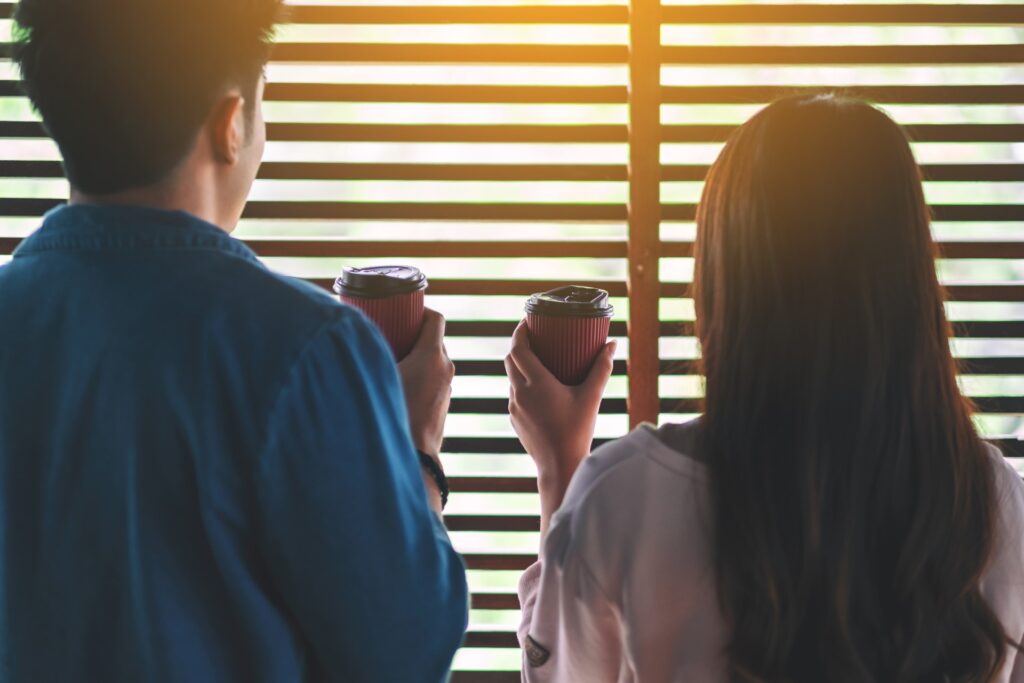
554,422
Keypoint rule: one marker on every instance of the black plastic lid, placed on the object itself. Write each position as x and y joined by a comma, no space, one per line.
380,282
572,302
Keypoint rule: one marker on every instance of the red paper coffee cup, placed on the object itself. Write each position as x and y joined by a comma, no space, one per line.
568,328
390,296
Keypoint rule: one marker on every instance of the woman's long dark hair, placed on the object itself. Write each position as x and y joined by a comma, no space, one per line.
853,501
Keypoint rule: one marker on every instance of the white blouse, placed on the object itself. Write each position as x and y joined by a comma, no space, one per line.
625,588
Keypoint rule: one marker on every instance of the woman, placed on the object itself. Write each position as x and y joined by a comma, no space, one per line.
833,515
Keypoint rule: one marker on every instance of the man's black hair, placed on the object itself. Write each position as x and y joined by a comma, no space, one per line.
124,86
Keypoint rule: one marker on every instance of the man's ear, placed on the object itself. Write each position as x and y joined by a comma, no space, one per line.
227,128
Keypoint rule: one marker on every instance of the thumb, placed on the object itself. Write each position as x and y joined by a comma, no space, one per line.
599,375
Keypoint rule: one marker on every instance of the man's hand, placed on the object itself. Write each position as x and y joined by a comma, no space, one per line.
427,375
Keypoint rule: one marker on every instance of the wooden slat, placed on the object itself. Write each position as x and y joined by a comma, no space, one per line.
494,562
953,132
796,14
986,292
883,94
704,55
985,404
504,328
315,248
1011,291
296,170
495,601
993,365
27,208
479,133
999,404
973,329
963,132
551,134
982,250
988,249
21,129
468,94
614,94
455,211
501,287
493,484
276,170
354,14
452,211
499,406
1011,447
973,172
942,212
979,213
793,14
707,55
442,172
493,368
494,639
989,365
491,444
471,676
989,329
320,248
600,249
555,134
510,444
30,169
497,523
451,53
999,172
483,444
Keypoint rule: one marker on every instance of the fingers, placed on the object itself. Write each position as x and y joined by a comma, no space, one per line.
599,375
514,375
523,357
432,332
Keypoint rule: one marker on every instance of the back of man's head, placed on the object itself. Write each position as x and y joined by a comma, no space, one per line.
125,86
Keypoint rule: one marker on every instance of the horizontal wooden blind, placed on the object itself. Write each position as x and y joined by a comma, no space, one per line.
507,149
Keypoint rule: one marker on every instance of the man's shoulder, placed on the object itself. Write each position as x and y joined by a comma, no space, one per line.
280,314
250,295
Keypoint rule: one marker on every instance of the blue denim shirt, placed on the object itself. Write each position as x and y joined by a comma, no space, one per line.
205,471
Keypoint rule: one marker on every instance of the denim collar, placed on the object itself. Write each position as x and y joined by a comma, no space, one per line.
82,227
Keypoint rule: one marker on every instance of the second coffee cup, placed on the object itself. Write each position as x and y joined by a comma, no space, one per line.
568,328
392,297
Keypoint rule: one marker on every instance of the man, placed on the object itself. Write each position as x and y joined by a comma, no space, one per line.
207,471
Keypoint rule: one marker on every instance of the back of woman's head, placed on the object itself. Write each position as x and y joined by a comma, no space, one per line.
853,510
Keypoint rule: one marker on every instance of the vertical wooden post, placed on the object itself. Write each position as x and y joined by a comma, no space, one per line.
644,208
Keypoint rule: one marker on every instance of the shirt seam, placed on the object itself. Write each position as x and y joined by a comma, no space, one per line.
613,604
226,248
598,483
342,316
578,512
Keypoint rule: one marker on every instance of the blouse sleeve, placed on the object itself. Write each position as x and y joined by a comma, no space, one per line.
570,629
1004,585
